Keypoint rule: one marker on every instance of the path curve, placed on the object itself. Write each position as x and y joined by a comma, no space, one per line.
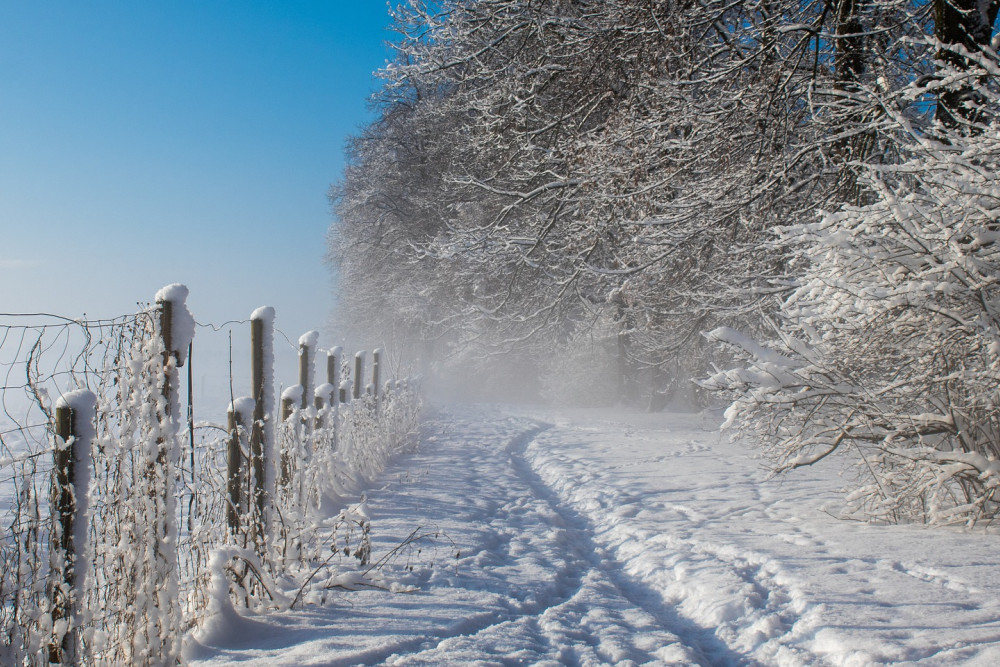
583,539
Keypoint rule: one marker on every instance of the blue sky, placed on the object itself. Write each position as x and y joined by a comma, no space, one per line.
148,143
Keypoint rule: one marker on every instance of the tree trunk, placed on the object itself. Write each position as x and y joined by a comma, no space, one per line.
967,23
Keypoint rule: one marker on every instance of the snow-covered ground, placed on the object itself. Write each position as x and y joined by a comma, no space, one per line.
584,538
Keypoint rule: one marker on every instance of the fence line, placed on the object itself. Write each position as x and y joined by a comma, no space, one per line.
97,565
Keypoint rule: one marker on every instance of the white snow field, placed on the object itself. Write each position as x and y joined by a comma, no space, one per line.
590,538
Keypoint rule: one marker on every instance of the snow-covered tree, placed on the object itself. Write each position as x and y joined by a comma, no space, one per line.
540,166
888,349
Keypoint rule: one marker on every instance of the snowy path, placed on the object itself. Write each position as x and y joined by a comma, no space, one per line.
583,540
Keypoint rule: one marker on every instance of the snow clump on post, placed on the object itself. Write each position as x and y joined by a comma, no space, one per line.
181,320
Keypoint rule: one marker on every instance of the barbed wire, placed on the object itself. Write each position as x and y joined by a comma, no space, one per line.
218,328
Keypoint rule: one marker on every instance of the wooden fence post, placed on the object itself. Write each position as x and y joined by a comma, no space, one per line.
261,431
176,329
166,331
74,415
307,359
359,374
234,461
290,397
323,397
240,421
376,370
333,362
345,391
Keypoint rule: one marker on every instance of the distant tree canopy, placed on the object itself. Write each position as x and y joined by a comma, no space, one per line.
597,183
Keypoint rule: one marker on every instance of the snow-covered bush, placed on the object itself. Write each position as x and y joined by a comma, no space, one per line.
327,457
125,602
134,530
888,348
343,447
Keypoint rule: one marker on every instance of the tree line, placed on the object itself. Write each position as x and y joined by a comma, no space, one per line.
792,203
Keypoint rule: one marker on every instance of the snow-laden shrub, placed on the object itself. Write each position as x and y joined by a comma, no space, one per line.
327,458
888,349
126,590
134,531
342,448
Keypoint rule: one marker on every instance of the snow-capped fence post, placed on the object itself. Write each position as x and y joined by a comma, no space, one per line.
376,372
74,416
345,391
333,358
323,398
159,586
262,430
177,333
307,360
288,402
240,420
166,332
359,374
290,398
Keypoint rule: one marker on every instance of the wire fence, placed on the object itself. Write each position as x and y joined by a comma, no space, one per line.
174,520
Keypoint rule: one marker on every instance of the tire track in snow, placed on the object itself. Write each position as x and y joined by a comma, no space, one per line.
782,582
742,598
566,583
708,648
515,609
583,577
542,617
